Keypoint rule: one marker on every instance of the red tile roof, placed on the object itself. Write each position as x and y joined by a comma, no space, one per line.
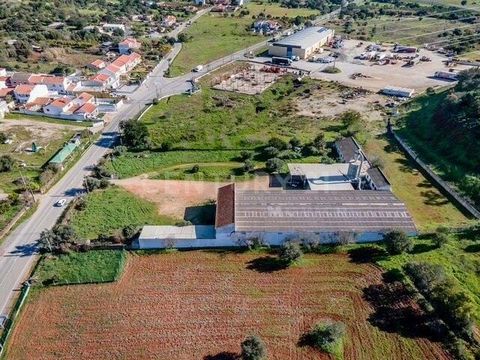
87,108
85,97
99,64
24,89
5,92
130,42
225,213
113,68
61,102
100,77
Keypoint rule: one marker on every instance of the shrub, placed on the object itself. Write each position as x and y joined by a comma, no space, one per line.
253,348
246,155
135,134
397,242
270,152
425,276
6,163
119,150
290,252
278,143
129,232
274,165
440,239
248,166
195,169
332,70
327,337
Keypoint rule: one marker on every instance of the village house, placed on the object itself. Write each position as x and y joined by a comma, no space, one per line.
266,26
169,21
128,45
113,27
19,78
104,81
59,106
25,93
58,84
97,65
38,104
3,81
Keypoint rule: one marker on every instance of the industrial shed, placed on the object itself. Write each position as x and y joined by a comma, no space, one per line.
279,215
193,236
302,44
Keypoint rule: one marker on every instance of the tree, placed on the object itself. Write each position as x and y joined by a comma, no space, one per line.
6,163
253,348
290,252
397,242
57,238
135,134
425,276
271,151
248,166
274,164
246,155
278,143
324,336
440,239
3,138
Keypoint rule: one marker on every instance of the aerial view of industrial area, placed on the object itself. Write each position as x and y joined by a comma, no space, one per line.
240,179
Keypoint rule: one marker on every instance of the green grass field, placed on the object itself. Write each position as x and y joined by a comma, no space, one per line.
214,119
81,267
460,258
427,205
109,211
207,172
215,36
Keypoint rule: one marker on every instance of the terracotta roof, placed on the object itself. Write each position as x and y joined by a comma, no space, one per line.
225,213
4,78
134,56
57,80
98,63
5,92
61,102
87,108
24,89
100,77
40,101
113,68
85,96
130,42
35,79
120,61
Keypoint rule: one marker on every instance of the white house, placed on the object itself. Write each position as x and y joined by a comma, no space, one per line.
3,109
87,111
26,93
128,45
58,84
168,21
113,27
59,106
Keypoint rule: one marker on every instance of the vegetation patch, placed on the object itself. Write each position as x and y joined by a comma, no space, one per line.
109,211
95,266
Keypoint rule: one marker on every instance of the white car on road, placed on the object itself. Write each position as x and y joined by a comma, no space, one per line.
61,202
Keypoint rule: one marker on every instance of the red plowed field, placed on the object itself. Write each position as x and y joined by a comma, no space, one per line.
200,304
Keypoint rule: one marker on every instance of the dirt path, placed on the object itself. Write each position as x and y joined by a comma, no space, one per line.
172,197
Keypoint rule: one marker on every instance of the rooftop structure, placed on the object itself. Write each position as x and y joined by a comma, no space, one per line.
303,43
293,211
325,176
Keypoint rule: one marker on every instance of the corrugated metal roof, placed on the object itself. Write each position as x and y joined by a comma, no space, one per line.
320,211
63,154
305,38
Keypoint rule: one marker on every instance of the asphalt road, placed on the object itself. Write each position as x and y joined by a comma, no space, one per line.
19,250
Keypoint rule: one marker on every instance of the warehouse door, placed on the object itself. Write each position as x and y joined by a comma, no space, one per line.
289,52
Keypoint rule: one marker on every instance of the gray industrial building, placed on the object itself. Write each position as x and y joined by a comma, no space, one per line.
302,44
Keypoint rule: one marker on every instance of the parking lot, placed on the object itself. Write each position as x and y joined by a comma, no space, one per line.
374,77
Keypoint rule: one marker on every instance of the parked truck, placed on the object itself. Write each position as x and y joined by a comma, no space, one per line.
281,61
446,75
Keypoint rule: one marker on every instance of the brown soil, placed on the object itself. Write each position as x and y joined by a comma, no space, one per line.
201,305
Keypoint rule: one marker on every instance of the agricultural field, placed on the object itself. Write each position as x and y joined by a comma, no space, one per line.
228,295
108,211
216,36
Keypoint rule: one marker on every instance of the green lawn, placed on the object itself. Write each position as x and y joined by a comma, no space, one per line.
109,211
81,267
427,205
214,119
48,120
460,258
207,172
213,37
277,11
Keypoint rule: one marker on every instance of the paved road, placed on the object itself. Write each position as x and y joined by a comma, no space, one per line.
18,251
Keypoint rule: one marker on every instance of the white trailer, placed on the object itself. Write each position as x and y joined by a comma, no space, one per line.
398,91
446,75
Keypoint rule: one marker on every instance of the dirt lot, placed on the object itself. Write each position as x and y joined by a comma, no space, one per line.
201,304
418,77
172,197
24,132
331,104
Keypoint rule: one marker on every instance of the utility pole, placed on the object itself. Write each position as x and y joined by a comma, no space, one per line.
27,185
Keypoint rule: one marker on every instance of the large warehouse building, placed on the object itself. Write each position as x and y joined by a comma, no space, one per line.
302,44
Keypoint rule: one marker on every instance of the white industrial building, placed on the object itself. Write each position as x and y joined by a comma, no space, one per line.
303,43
